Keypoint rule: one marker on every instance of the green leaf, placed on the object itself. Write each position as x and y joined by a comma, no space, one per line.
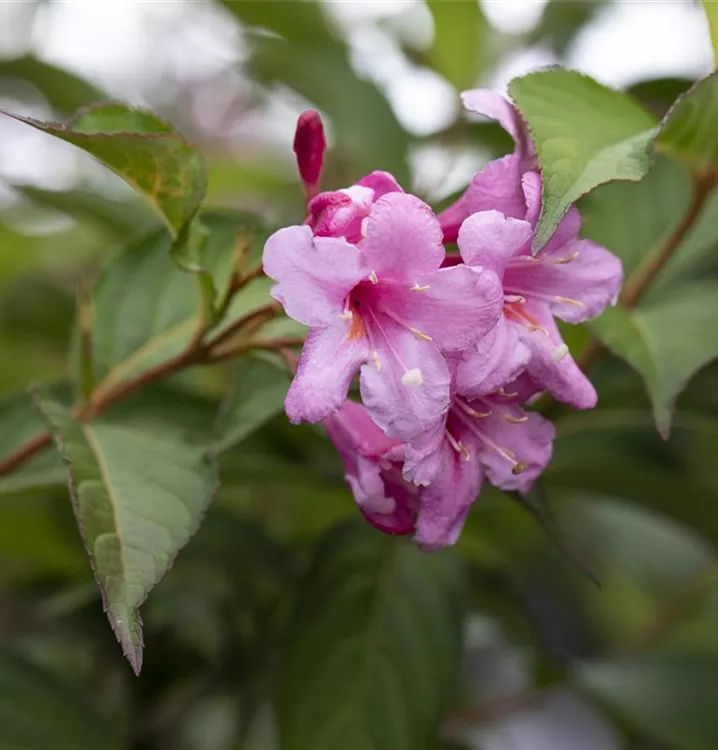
146,310
258,393
139,491
20,422
64,91
633,219
145,151
117,217
459,38
585,133
670,697
687,132
374,646
654,341
711,10
38,711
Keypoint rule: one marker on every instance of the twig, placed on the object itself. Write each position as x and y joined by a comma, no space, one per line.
262,314
25,452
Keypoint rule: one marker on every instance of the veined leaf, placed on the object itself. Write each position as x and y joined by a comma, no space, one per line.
373,649
139,492
578,149
145,151
711,10
147,311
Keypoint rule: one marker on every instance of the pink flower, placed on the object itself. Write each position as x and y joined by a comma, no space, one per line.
570,278
309,147
341,213
490,437
387,501
385,306
498,186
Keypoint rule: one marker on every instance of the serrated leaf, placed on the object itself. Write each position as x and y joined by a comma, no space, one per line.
257,394
586,134
38,711
144,150
147,311
671,697
139,492
666,342
374,646
459,37
687,132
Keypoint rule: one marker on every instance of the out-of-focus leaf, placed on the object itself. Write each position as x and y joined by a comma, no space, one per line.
147,311
34,536
633,219
118,217
38,711
561,21
372,656
19,422
670,697
688,131
653,340
711,10
65,91
257,394
459,39
658,94
577,151
145,151
139,494
367,131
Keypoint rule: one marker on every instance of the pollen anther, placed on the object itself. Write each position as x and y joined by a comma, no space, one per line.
420,335
419,288
373,277
377,361
412,378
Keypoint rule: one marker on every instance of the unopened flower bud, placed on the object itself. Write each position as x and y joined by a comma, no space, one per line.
309,147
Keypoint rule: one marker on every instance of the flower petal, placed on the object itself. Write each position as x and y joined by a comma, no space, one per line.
453,306
329,361
381,183
353,432
492,104
495,360
385,500
530,441
491,240
578,280
403,238
445,503
330,213
422,457
497,187
406,388
313,274
551,367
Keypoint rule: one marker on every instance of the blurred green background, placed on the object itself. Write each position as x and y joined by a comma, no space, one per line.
551,662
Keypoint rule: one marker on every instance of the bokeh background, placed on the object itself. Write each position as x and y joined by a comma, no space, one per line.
552,662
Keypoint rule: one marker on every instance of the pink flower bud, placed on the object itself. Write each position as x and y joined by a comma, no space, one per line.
309,147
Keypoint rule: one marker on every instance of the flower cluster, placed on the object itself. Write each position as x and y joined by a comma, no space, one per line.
449,347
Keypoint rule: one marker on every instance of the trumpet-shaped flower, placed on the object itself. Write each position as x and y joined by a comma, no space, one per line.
384,306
